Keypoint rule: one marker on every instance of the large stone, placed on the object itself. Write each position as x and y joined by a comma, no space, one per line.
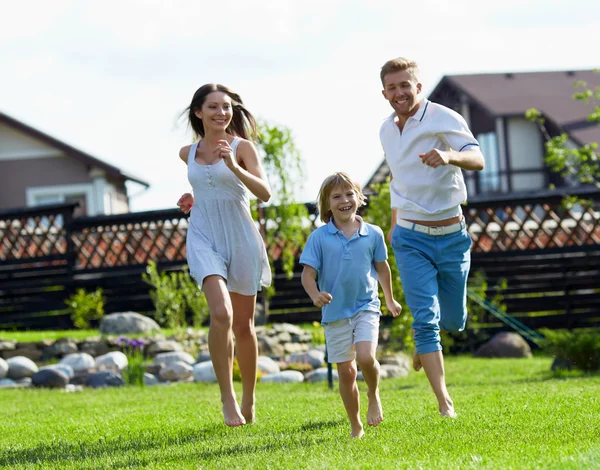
7,345
204,372
8,383
20,367
126,323
29,353
162,347
270,345
171,357
320,375
505,345
104,379
64,368
115,360
398,359
52,378
61,348
203,357
94,348
267,365
393,371
79,361
3,368
313,357
150,379
288,328
285,376
176,371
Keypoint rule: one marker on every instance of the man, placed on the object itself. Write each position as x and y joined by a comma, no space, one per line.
427,146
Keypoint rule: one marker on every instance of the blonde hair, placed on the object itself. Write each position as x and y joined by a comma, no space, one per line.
331,182
397,65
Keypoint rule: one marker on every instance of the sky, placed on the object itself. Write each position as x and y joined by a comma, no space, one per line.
111,78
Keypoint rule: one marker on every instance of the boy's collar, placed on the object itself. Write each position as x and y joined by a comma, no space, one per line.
362,230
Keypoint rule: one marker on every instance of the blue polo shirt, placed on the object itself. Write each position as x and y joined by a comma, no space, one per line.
345,268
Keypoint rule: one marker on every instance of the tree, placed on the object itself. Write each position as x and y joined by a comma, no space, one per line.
582,163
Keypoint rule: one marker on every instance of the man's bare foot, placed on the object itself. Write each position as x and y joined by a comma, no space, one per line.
357,431
248,412
232,415
374,413
416,361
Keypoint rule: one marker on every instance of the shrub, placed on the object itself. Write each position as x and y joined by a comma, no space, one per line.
299,366
580,348
85,307
237,375
133,349
173,294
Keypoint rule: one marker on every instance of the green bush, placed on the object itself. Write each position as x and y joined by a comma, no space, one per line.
85,307
237,375
581,349
173,294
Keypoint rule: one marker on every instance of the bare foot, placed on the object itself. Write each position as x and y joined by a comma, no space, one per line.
447,409
357,432
248,412
374,413
416,361
232,415
450,413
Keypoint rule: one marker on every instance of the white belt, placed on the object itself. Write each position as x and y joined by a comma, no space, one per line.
432,230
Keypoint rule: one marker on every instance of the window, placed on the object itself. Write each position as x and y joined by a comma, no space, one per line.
489,177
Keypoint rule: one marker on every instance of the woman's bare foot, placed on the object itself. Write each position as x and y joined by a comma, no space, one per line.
374,413
416,361
248,411
447,409
357,431
232,415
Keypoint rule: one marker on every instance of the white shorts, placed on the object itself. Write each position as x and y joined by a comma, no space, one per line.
342,335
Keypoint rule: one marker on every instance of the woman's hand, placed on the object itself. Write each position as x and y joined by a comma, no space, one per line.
186,202
224,151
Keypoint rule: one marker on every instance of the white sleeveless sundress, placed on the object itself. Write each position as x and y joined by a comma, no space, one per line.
222,238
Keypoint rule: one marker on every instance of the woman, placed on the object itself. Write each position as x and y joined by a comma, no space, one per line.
225,251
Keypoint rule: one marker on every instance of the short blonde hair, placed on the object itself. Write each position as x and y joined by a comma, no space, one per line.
331,182
397,65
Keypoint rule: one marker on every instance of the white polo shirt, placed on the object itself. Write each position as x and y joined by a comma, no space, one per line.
418,191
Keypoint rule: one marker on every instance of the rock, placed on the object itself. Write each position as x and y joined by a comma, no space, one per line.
33,354
8,383
505,345
320,375
162,347
3,368
288,328
64,368
561,364
267,365
20,367
113,360
79,361
24,381
313,357
60,348
170,357
284,337
394,371
204,372
51,378
125,323
286,376
203,357
104,379
150,379
176,371
294,348
73,388
94,348
7,345
270,346
398,359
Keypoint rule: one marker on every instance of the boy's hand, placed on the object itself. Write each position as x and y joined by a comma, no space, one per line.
186,202
322,299
394,307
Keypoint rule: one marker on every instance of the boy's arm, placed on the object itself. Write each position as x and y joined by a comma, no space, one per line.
385,279
309,282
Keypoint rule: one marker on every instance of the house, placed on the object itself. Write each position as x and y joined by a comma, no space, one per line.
494,106
37,169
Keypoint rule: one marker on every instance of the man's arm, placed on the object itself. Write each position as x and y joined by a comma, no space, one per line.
470,159
394,219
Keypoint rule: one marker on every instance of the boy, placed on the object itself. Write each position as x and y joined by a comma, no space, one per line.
347,256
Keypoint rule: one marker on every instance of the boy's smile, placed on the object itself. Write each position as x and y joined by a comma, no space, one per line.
343,204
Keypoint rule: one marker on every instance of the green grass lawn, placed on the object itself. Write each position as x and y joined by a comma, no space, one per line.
513,414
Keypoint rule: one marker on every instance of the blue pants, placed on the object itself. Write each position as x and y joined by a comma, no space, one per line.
433,270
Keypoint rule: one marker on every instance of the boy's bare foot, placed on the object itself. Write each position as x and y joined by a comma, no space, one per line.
374,413
416,361
248,412
232,415
357,432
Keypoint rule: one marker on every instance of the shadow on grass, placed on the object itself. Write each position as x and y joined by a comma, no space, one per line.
318,425
61,452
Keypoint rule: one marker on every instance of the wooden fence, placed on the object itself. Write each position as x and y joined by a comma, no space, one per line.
549,254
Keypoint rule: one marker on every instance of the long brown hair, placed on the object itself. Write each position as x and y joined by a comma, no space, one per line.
242,123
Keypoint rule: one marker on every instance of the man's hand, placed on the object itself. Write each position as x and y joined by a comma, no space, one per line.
394,307
322,299
435,158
